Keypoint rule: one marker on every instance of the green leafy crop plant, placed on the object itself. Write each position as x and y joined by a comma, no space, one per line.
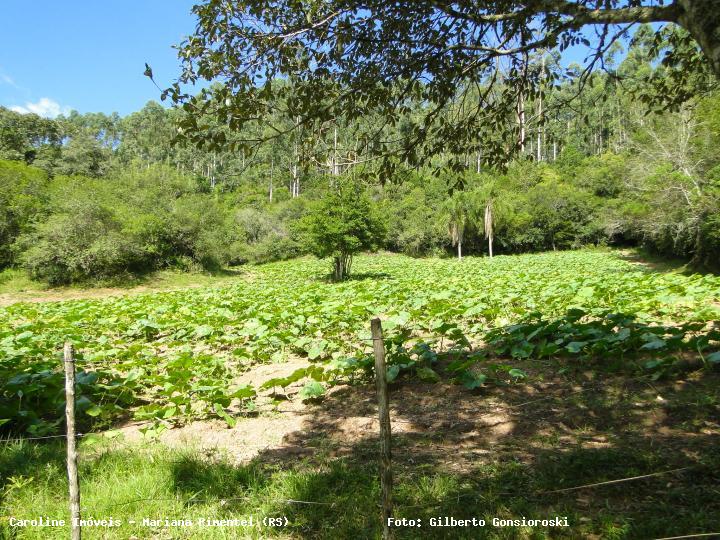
176,355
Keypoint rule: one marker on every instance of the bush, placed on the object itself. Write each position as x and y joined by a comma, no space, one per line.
343,223
22,199
266,232
74,246
132,223
271,248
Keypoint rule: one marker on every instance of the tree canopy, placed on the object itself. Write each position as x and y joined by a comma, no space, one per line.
441,73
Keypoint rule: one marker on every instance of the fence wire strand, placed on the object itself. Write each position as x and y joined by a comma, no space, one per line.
280,446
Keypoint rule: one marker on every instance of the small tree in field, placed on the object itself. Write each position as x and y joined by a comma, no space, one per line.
342,224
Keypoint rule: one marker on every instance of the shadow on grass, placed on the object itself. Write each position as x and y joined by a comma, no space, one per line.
19,467
456,453
654,263
355,276
215,480
25,459
504,450
334,495
231,271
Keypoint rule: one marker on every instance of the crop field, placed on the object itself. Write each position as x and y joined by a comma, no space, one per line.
175,355
468,334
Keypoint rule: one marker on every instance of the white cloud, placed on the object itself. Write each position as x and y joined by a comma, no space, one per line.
8,80
44,107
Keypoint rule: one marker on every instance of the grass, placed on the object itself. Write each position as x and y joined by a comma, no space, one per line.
17,286
13,281
132,481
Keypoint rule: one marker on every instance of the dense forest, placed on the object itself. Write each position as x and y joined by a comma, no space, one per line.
88,196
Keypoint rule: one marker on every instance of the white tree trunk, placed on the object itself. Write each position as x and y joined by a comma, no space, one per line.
335,166
521,122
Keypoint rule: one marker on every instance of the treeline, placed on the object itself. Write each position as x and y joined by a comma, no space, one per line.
98,196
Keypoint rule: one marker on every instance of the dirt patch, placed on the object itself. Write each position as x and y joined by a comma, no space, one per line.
276,416
450,426
92,293
61,295
264,372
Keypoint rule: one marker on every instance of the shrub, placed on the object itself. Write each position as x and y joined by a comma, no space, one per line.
343,223
132,223
22,199
85,241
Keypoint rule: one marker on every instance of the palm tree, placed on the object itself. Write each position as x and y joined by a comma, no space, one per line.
489,225
456,215
486,205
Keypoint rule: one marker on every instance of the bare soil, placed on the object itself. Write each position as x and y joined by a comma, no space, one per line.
63,294
156,283
447,425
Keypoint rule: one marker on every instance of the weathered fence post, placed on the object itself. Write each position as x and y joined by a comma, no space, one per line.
384,415
73,482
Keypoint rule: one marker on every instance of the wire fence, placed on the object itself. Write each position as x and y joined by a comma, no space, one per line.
495,407
434,503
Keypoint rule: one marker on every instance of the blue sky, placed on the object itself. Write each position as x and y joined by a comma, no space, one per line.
88,55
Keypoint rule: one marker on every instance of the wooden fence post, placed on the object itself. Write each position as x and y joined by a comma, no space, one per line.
384,415
73,482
